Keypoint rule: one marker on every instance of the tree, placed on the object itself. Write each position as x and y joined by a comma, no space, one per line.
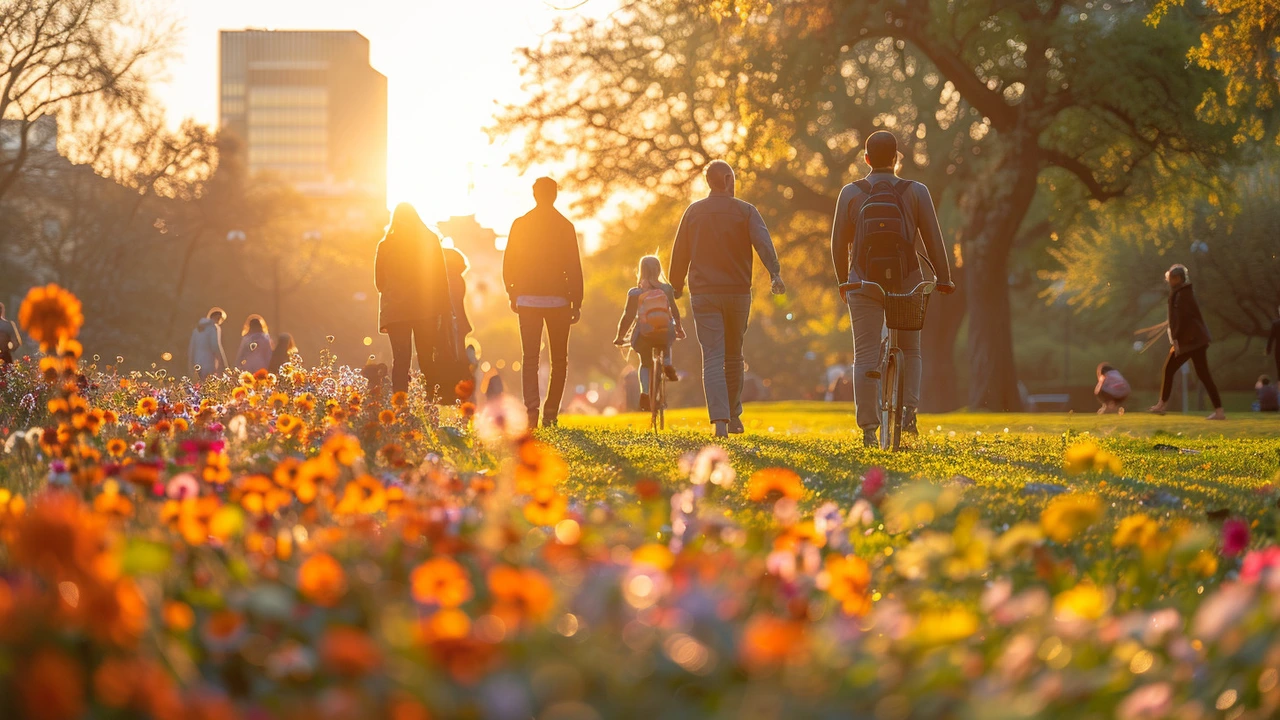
1059,88
54,53
1243,43
654,98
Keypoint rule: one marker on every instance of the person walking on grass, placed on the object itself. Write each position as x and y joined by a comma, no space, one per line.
414,308
713,254
542,271
255,346
652,320
1190,340
862,249
205,356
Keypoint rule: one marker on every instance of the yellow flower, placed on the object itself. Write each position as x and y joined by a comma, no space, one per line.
1067,515
1018,539
546,507
1137,530
848,578
945,626
50,315
147,406
306,402
1084,602
288,425
772,484
1087,456
1204,564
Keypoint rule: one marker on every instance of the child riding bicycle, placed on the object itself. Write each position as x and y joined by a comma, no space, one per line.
652,319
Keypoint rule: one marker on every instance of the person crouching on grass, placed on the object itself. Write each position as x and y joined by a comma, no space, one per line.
1112,390
653,321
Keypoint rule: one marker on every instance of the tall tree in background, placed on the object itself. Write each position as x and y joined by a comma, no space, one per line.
1059,87
54,53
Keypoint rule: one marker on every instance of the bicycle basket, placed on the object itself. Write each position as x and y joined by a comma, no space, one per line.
905,312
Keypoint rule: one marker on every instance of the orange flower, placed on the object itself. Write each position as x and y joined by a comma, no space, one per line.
147,406
400,399
768,640
306,402
111,503
539,466
258,495
386,417
178,616
446,624
115,613
288,425
847,580
116,447
58,538
322,580
343,448
50,685
217,468
464,388
546,507
520,595
349,652
50,315
772,484
362,496
278,401
440,581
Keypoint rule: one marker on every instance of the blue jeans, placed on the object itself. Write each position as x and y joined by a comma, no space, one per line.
721,323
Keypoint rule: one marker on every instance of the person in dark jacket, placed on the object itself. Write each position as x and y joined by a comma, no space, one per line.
1190,340
10,338
456,266
284,352
255,345
713,253
414,307
1273,344
542,271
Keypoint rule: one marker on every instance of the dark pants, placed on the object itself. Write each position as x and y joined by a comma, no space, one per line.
721,322
431,344
1201,364
557,322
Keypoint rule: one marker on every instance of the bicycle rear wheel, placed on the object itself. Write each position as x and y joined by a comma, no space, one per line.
657,394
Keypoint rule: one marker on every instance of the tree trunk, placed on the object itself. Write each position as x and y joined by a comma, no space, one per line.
940,388
995,212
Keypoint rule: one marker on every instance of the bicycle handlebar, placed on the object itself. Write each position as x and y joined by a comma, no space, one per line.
923,288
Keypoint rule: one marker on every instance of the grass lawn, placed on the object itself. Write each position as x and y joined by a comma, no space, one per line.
1009,463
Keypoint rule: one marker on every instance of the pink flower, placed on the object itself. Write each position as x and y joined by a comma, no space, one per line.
183,486
1235,537
1259,562
873,483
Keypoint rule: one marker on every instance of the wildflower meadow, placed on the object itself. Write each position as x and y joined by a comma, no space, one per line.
304,545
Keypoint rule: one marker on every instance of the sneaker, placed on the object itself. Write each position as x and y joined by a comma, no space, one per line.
736,427
909,421
722,429
550,421
1218,414
869,439
644,402
669,372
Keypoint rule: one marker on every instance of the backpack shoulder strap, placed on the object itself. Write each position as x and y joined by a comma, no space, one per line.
901,187
864,185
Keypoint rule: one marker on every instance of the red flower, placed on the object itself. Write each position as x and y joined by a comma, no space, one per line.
1259,562
1235,537
873,483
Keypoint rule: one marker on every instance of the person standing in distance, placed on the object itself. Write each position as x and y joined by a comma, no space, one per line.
542,270
713,253
1189,337
919,225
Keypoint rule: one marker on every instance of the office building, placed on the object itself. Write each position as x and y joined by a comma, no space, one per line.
307,107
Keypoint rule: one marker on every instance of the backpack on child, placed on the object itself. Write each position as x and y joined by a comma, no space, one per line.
653,316
883,246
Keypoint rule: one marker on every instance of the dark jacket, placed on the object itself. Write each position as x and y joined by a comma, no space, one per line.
626,324
412,285
1273,341
542,257
458,299
921,217
714,243
1187,330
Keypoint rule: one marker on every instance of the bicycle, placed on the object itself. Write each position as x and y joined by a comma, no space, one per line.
657,391
903,312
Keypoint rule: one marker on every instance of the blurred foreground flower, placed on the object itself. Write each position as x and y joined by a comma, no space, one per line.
1068,515
50,315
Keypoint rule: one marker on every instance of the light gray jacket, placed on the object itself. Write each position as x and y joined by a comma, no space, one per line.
920,215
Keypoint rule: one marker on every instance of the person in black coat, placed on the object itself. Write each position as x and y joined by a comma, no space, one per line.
1273,344
414,306
1190,339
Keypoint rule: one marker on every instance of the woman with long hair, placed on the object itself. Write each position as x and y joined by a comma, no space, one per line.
255,345
651,321
284,351
414,307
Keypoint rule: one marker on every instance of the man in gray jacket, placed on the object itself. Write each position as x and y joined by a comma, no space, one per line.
866,307
713,252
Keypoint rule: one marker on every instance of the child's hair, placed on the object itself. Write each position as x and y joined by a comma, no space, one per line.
650,270
254,323
1104,368
1264,380
455,262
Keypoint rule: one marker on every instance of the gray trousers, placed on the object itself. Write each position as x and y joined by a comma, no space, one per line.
867,315
721,323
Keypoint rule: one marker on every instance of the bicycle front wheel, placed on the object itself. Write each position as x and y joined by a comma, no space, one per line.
891,402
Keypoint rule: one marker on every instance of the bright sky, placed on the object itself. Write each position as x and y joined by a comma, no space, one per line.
447,62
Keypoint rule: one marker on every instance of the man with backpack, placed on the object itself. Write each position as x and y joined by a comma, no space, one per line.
713,251
879,222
